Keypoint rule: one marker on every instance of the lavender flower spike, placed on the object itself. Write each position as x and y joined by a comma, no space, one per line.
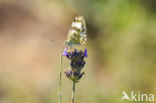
65,52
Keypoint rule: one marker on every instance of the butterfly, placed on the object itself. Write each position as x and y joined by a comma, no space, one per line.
77,34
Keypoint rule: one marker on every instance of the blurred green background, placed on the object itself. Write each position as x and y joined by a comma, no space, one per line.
121,47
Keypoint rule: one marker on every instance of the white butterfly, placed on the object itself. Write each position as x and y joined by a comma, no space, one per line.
77,34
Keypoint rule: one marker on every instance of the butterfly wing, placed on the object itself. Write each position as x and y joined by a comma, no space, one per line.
77,34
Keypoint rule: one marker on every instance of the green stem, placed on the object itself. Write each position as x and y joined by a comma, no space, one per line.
73,91
60,80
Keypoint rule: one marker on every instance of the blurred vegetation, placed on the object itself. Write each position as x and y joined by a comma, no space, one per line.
121,45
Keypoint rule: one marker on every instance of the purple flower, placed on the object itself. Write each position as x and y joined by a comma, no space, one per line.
65,53
85,53
80,75
77,63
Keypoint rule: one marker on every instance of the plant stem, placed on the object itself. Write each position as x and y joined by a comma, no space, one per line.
60,80
73,91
